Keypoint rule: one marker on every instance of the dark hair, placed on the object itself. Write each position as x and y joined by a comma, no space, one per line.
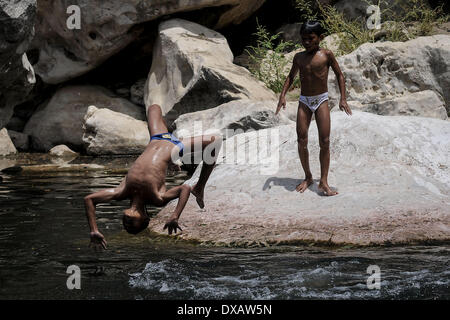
312,26
134,224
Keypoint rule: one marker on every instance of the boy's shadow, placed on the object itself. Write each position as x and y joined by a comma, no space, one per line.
290,184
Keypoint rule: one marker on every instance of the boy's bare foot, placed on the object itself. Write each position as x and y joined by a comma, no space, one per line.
198,193
325,188
304,185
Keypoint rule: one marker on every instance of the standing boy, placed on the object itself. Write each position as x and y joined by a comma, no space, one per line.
313,65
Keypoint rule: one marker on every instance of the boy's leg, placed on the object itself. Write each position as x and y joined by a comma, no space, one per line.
304,116
214,144
155,120
323,125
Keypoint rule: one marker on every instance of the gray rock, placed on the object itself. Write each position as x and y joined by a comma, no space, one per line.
137,92
352,9
6,145
193,70
60,121
20,140
391,172
62,151
425,103
333,41
106,28
377,73
16,124
290,32
6,163
230,118
109,132
16,73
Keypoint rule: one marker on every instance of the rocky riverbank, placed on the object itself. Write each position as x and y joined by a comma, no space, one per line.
393,188
71,93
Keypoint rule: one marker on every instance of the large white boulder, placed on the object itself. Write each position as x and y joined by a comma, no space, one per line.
391,172
67,50
192,70
397,74
60,121
109,132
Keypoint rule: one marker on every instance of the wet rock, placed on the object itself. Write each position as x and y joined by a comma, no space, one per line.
391,173
106,27
16,73
6,145
20,140
377,73
62,151
229,118
193,70
6,163
60,121
109,132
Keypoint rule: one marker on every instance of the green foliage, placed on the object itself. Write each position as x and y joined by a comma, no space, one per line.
307,9
425,17
416,19
267,59
352,33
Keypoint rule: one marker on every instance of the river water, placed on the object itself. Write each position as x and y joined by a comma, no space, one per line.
43,231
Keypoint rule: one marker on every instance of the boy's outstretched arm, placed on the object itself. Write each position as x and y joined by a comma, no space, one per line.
90,201
341,81
182,193
287,84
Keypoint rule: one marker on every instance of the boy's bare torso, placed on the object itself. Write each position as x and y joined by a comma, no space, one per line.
146,177
313,69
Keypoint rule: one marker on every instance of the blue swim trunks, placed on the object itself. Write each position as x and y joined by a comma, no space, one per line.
169,137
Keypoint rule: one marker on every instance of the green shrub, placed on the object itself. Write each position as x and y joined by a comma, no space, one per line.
267,59
418,19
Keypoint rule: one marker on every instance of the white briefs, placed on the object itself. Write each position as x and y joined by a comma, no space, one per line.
313,102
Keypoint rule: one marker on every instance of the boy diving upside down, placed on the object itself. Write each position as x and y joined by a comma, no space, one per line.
145,180
313,65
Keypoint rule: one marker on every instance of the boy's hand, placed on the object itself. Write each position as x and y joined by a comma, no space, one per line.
98,240
172,225
281,103
344,107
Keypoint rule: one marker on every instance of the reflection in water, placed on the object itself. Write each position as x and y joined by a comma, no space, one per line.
43,230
